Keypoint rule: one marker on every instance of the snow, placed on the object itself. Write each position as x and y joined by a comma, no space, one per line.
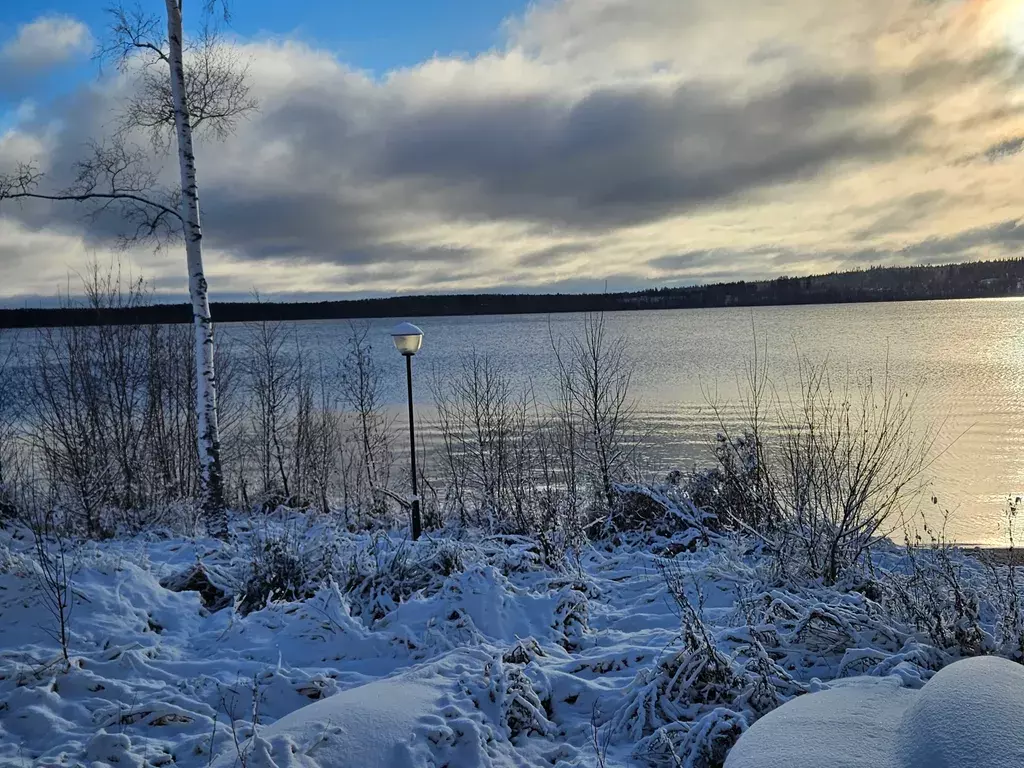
970,713
372,726
851,726
467,650
158,679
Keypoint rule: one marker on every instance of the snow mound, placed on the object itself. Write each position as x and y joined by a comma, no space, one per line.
422,717
970,713
369,726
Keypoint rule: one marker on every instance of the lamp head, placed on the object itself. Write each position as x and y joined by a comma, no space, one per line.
407,337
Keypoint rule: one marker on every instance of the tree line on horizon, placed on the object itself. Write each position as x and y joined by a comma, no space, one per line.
979,279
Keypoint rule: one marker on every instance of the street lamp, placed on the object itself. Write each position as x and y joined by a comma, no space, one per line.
408,340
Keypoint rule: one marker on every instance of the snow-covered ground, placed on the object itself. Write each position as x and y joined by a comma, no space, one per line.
454,651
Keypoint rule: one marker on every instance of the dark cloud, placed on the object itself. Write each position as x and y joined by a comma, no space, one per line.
996,240
614,157
301,224
553,256
898,216
628,155
1003,149
679,262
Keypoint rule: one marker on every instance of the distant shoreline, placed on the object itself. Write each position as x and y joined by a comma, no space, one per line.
971,280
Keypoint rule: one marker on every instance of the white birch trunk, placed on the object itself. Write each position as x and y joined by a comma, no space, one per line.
206,382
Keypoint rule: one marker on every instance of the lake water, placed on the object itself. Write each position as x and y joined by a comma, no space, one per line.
963,360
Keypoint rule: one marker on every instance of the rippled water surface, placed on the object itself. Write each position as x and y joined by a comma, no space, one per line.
962,360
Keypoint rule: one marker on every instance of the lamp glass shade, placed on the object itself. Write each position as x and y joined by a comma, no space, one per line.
407,337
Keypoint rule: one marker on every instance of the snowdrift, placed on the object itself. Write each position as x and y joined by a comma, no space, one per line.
969,714
371,726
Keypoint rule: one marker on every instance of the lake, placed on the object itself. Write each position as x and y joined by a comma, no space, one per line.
962,360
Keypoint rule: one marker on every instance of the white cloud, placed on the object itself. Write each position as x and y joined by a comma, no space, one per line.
46,42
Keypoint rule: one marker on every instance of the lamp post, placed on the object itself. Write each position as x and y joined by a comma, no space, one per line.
408,340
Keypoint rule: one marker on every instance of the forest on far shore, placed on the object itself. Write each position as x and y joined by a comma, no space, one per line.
978,279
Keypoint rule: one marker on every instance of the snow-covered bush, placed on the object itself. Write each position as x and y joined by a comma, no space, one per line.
696,701
685,683
938,594
572,617
663,510
732,490
963,605
382,573
509,698
702,743
282,563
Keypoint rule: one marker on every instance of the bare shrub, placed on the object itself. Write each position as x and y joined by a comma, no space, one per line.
170,411
1005,590
88,402
291,428
488,445
511,463
56,559
823,473
319,438
366,448
594,410
272,375
109,415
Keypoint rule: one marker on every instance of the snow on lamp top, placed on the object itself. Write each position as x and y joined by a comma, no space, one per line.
407,337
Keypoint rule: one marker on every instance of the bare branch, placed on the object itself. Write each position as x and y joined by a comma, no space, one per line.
132,32
113,177
212,7
216,90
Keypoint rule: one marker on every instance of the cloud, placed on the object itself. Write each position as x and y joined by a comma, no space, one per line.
642,139
1004,148
46,42
630,154
993,241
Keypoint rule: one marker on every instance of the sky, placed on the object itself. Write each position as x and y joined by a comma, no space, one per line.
414,146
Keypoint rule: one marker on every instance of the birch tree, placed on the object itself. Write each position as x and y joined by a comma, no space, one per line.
206,379
180,88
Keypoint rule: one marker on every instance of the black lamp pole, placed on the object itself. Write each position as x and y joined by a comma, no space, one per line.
416,523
